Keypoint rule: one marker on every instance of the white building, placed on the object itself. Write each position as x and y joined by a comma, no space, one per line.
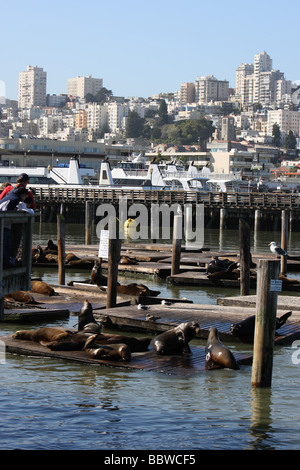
286,120
97,116
259,83
116,112
81,86
32,87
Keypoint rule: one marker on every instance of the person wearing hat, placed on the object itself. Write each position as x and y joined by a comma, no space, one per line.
22,180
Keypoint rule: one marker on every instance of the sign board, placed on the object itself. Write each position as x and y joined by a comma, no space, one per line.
276,285
103,245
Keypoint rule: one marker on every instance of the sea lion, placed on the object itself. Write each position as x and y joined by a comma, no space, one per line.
216,265
245,329
134,344
51,247
51,258
175,341
113,352
20,296
217,354
70,257
137,290
42,335
97,276
42,287
76,341
126,260
37,254
85,315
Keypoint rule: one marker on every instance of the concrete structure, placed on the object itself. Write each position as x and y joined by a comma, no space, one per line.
81,86
32,87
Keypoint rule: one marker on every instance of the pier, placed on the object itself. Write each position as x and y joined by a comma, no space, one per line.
221,209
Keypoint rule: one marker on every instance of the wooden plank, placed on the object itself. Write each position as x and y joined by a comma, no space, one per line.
149,360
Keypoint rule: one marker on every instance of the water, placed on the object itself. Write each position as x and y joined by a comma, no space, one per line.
59,405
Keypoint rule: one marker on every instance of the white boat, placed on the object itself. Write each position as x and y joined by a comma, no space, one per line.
137,174
72,173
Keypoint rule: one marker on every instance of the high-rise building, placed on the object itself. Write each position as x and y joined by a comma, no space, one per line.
81,86
259,83
32,87
210,89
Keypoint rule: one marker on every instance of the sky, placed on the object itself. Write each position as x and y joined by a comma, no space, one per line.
144,48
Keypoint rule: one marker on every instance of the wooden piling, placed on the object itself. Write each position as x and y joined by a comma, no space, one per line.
114,250
176,247
245,257
266,308
61,248
284,238
88,222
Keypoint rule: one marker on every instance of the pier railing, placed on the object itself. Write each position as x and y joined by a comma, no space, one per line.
277,201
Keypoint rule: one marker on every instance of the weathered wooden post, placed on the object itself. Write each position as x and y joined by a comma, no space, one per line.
284,238
61,248
268,286
88,222
176,247
114,250
245,257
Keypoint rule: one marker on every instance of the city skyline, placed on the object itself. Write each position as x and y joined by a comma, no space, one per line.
142,51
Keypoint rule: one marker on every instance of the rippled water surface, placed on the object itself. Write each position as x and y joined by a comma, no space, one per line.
55,404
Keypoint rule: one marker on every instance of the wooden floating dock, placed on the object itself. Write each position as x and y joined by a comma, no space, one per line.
131,318
148,361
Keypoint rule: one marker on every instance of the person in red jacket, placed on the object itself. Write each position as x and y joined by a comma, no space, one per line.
22,180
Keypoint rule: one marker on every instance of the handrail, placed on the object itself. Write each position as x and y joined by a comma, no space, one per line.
211,199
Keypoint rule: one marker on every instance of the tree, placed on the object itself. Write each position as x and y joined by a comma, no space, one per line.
290,141
134,125
276,135
163,113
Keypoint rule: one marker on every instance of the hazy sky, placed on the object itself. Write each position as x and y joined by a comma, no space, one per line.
139,48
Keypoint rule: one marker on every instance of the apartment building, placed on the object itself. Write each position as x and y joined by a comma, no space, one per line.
209,89
32,87
81,86
285,119
259,83
187,93
97,116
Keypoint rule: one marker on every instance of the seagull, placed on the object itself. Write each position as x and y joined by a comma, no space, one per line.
277,250
142,307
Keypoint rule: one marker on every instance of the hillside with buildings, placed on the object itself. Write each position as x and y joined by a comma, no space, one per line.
242,121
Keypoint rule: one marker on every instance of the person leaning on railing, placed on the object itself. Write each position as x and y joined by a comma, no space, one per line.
12,238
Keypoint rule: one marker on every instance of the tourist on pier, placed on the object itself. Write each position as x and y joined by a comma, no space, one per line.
22,181
12,238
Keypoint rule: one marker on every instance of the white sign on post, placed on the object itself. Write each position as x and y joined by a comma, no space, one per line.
276,285
103,245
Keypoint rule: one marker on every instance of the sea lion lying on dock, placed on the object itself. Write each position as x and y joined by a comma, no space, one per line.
42,335
216,265
42,287
217,354
113,352
137,290
127,260
175,341
76,341
245,329
51,247
20,296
